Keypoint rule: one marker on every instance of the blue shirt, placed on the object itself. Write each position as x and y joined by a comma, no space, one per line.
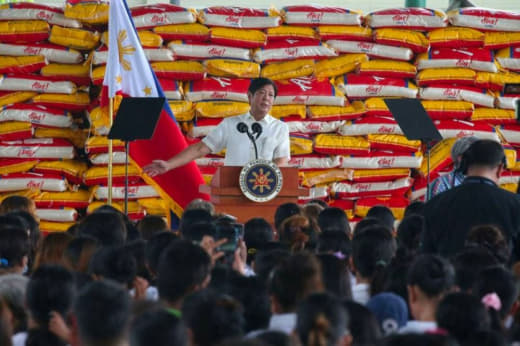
446,182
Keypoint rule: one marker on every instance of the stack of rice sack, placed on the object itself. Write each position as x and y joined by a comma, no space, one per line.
43,94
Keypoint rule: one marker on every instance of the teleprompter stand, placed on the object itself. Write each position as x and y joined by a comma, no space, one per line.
136,119
416,125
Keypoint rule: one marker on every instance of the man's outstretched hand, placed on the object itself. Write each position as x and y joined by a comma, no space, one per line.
157,167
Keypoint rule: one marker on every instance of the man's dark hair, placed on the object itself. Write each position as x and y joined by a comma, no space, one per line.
372,250
102,310
491,238
285,211
333,242
383,214
43,337
363,324
196,231
484,153
497,279
333,219
432,274
158,327
335,275
409,232
258,83
414,208
182,266
253,296
192,216
50,288
14,246
150,225
107,228
155,247
468,264
114,263
267,260
257,233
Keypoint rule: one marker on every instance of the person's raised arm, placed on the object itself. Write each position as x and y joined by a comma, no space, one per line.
189,154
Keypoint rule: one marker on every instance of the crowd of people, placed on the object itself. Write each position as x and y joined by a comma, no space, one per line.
447,275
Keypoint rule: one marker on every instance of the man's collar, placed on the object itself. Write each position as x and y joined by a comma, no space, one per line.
266,120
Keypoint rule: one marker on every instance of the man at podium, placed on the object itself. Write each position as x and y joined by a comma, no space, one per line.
243,136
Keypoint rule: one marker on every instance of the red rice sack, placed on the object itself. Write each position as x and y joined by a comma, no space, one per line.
397,205
307,162
383,159
24,31
194,31
507,101
453,37
474,58
414,40
150,16
413,18
397,143
22,64
374,125
509,177
200,51
17,165
385,68
477,96
308,91
22,181
52,52
459,128
47,148
314,126
217,88
57,215
354,110
342,32
485,19
356,86
509,58
73,199
460,76
350,190
340,145
71,169
373,50
135,191
244,38
35,83
313,15
239,17
14,130
30,11
290,49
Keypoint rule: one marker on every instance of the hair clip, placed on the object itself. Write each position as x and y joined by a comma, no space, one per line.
492,300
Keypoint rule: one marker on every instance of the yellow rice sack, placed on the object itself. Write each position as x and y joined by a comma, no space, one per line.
283,111
288,69
386,68
73,170
22,64
31,193
94,12
382,174
344,32
133,206
182,110
154,206
23,31
193,31
333,144
74,38
73,199
414,40
329,113
300,145
494,115
455,37
179,70
511,156
148,39
440,157
500,39
496,81
446,76
393,142
337,66
14,130
291,32
510,187
16,166
55,227
76,136
220,109
99,144
7,98
245,38
313,178
64,70
232,68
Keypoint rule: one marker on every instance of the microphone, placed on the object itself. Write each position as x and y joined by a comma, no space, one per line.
257,128
242,128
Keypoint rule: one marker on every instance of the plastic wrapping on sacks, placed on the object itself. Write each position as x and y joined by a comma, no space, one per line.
74,199
474,58
477,96
511,133
372,49
314,126
379,174
354,110
74,38
244,38
313,162
461,76
341,145
509,58
412,18
485,19
217,88
315,15
22,181
459,128
356,86
340,65
220,109
22,64
31,11
135,191
57,215
17,165
92,12
52,52
374,125
455,37
47,148
349,190
24,31
385,68
498,40
150,16
344,32
239,17
414,40
73,170
15,130
195,31
118,158
288,69
324,176
383,159
232,68
308,91
291,49
291,32
200,50
35,83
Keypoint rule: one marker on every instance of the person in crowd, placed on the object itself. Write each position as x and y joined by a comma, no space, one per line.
366,223
13,288
414,208
77,256
333,219
283,212
257,234
102,314
335,275
294,232
491,238
409,233
430,277
363,325
413,339
158,327
456,176
199,203
108,228
322,320
6,331
266,260
15,247
468,264
52,249
16,203
150,225
383,214
274,338
390,310
272,142
193,216
335,243
116,264
154,249
477,201
312,211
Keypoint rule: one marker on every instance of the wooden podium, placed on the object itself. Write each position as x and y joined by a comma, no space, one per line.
225,194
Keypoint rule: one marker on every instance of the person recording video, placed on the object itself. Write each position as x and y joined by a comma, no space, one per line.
243,136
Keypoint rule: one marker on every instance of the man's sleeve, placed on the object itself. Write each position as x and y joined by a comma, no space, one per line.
283,149
216,138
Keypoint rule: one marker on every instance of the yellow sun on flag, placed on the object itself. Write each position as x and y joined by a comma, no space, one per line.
261,180
124,50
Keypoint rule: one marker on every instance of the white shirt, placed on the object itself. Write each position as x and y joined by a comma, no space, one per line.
284,323
272,143
418,327
361,293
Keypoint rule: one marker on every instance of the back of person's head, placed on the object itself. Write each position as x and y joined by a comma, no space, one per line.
108,228
212,317
482,154
275,338
183,268
383,214
312,211
257,233
52,249
486,338
468,263
15,247
43,337
294,279
294,231
191,216
78,253
102,311
333,219
158,327
335,275
154,248
461,314
199,203
150,225
491,238
363,325
500,281
50,288
321,320
337,243
432,274
285,211
417,339
258,83
114,263
372,251
368,222
30,224
267,260
414,208
136,248
409,232
459,148
15,203
198,230
13,289
390,310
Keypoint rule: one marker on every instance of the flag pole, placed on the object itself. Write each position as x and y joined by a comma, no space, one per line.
110,122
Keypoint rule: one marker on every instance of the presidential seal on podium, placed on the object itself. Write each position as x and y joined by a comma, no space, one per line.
260,180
